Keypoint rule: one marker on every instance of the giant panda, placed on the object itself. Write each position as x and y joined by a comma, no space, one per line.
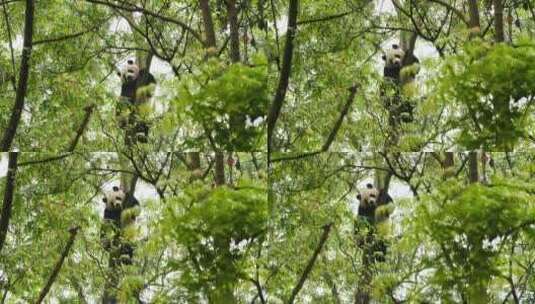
137,87
116,202
371,198
393,59
399,70
134,82
370,201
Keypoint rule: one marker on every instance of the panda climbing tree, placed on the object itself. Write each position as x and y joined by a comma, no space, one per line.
120,212
399,71
374,208
137,87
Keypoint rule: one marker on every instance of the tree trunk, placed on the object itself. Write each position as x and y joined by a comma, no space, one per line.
448,160
234,31
498,21
474,13
219,168
194,160
447,165
284,78
8,197
473,167
209,31
16,112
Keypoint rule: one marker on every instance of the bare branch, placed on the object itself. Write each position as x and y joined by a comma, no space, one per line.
338,124
310,264
55,271
88,111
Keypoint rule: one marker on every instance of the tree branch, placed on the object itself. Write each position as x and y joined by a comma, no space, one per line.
135,8
69,36
88,111
8,197
44,160
453,9
338,124
332,135
13,80
308,269
16,112
73,231
325,18
286,69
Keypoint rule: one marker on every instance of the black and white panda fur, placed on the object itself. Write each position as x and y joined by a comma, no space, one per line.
371,198
393,59
134,80
116,201
137,87
396,60
375,247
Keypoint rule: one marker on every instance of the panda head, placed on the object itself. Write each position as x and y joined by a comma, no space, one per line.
368,196
114,199
129,72
393,57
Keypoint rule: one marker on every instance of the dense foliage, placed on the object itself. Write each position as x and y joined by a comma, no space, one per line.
264,123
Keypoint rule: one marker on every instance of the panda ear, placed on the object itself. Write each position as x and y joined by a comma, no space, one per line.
104,200
384,57
395,46
119,74
359,196
369,186
115,188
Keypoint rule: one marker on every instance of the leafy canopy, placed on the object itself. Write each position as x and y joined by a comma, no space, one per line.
227,101
216,226
469,226
493,86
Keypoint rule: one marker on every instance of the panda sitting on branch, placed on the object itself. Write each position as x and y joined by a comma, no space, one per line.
373,210
400,70
370,199
137,87
119,212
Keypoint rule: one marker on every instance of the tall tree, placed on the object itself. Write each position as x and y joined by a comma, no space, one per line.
22,85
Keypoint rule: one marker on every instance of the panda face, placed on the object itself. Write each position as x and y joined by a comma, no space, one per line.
129,72
394,57
368,196
114,199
